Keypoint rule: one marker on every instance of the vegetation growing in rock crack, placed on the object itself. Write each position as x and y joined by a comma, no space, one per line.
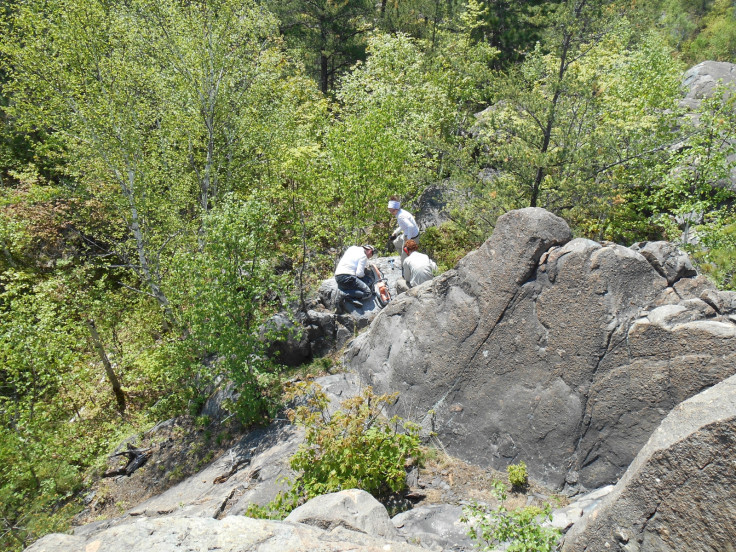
517,530
518,476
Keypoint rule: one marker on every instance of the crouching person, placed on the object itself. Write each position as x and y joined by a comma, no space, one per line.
352,280
417,268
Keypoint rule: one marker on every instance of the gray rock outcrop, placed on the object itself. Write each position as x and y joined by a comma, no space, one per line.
680,491
436,527
231,534
323,329
352,509
253,471
567,516
563,353
667,259
701,80
433,206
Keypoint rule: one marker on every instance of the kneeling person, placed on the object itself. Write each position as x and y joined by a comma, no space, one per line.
351,277
416,269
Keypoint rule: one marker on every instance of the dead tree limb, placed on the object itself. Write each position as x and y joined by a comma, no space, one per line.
136,458
119,395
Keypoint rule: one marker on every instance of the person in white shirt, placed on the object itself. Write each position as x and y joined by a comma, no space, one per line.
417,268
407,229
351,277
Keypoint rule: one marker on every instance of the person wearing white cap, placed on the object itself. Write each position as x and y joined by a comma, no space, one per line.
407,229
352,281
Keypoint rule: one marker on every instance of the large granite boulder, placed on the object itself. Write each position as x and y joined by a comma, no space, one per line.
680,491
563,353
701,80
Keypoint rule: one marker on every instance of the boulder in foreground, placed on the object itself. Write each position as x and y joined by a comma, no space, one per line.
680,491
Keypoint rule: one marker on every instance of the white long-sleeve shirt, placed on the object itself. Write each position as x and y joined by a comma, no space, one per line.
407,224
352,262
418,268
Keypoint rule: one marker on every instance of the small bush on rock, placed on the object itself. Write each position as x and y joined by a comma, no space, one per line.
518,476
519,530
356,447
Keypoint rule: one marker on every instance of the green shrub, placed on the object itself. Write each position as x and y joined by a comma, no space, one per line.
520,529
716,254
353,448
449,243
201,422
518,476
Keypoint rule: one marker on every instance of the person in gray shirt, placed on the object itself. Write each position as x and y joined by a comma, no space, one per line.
416,268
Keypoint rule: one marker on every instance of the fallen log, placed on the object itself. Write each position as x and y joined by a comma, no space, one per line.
136,458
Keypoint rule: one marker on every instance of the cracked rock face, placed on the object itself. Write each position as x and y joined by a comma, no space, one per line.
678,494
563,353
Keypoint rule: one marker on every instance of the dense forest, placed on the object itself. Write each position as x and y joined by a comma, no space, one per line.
173,172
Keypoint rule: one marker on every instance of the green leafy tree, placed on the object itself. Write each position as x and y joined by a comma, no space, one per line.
717,38
76,66
330,33
510,27
422,19
170,128
55,415
693,202
225,292
699,29
697,178
570,129
399,114
217,59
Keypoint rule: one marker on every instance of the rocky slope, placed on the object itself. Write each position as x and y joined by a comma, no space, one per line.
568,354
565,354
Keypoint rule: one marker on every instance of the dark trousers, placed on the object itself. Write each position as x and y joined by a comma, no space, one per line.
352,286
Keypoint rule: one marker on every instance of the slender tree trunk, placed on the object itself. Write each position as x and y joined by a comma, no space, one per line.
145,267
323,72
116,389
547,137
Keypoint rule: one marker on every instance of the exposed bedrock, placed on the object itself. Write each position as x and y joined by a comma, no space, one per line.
563,353
678,493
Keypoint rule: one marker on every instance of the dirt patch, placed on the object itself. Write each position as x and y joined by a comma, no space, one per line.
448,480
176,449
